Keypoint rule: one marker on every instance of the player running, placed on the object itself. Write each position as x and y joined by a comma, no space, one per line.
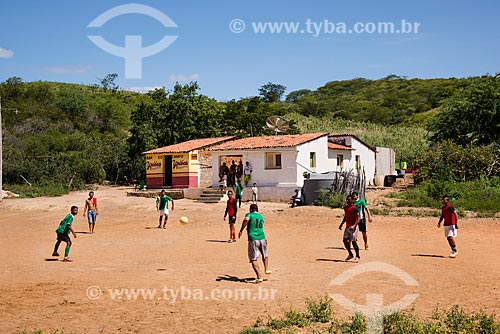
450,217
257,242
351,218
231,210
63,234
362,206
91,210
162,207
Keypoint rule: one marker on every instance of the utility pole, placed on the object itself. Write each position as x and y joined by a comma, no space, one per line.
1,157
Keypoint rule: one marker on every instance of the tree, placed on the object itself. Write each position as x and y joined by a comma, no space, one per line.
166,118
296,95
272,92
472,115
109,82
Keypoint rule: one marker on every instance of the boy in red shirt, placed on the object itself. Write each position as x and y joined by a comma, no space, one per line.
351,218
450,217
231,210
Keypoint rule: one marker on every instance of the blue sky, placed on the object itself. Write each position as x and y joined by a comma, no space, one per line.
48,41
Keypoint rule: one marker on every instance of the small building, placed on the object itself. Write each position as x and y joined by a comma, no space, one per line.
351,153
184,165
277,161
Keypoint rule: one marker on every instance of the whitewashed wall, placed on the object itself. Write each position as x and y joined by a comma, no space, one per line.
366,154
294,162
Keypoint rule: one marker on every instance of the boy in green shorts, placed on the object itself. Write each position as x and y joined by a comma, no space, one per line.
257,243
63,233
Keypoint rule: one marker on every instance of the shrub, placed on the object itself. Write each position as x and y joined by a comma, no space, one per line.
330,199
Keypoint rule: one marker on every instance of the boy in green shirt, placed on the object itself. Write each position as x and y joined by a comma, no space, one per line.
362,206
239,191
257,243
162,207
63,234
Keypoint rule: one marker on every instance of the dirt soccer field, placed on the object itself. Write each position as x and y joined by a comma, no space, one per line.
194,281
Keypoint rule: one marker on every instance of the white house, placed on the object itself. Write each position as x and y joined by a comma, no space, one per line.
351,153
277,161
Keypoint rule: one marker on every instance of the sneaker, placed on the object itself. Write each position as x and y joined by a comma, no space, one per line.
268,272
67,259
230,240
350,257
366,247
257,280
55,254
357,259
453,254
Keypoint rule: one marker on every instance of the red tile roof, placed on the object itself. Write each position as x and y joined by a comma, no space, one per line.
190,145
340,147
267,142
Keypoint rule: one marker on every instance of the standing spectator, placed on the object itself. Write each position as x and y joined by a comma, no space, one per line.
232,172
239,170
255,193
247,173
450,217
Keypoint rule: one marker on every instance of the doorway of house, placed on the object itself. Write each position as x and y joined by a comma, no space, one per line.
167,177
231,169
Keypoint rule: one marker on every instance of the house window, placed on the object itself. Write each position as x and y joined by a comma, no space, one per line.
358,162
312,159
273,160
194,156
340,160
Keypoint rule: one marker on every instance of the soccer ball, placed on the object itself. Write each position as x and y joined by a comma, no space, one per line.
184,220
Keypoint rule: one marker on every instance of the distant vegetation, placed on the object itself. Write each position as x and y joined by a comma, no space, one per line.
65,135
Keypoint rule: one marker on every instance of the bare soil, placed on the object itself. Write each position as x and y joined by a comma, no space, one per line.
305,251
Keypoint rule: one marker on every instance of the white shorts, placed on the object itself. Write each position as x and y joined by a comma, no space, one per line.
164,212
450,231
351,234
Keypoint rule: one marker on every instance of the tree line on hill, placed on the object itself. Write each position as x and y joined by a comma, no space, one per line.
68,135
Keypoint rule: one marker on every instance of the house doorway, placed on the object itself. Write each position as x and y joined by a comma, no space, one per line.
231,166
167,177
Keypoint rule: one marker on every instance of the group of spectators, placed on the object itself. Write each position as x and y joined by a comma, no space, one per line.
230,175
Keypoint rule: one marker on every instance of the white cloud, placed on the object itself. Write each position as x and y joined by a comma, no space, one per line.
69,69
4,53
144,89
183,78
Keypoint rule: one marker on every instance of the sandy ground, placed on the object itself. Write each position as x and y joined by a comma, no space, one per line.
193,264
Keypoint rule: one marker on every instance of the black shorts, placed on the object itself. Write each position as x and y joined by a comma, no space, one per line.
63,237
232,220
238,196
362,225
